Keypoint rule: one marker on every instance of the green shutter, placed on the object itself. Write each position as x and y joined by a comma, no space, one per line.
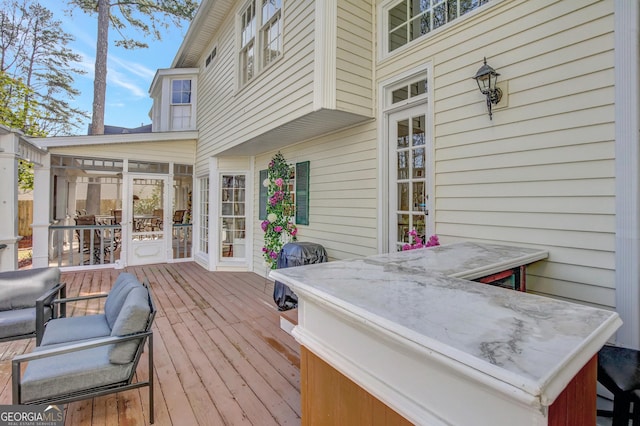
302,193
262,212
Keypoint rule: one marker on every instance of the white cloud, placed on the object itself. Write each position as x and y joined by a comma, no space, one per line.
120,73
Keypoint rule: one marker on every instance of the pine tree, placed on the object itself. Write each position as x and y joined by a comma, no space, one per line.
149,17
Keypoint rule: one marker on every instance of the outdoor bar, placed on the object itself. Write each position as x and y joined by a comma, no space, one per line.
408,335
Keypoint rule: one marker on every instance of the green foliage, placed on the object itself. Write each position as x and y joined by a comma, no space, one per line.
18,108
25,175
33,54
278,227
150,17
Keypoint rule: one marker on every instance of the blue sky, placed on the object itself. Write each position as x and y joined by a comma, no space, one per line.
129,72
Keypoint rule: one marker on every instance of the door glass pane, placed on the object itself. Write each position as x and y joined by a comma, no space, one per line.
403,133
403,197
417,127
403,228
232,216
147,209
418,196
418,163
403,165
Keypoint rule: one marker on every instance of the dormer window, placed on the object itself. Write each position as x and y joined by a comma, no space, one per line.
180,104
260,34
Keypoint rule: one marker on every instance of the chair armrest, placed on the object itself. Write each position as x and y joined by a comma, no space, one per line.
63,300
75,347
16,374
46,300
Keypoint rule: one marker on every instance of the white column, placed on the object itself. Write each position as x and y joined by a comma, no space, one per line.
9,144
41,212
627,109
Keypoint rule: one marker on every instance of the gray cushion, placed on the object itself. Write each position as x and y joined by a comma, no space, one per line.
133,318
20,289
70,329
19,321
118,294
63,374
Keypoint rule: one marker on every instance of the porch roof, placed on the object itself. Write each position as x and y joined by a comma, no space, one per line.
125,138
220,355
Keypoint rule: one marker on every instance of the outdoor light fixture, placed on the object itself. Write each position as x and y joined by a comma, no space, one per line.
487,77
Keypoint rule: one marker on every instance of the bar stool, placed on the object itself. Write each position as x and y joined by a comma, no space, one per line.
619,372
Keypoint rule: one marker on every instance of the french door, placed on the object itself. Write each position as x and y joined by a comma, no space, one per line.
410,151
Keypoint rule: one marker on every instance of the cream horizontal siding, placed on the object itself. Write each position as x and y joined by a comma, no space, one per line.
182,152
342,193
354,58
542,173
228,115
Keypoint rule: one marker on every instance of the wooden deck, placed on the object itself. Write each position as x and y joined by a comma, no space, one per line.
220,355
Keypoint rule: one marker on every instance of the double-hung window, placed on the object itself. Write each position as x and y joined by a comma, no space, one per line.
260,36
408,20
180,104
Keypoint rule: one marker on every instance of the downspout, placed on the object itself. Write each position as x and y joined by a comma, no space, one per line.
627,163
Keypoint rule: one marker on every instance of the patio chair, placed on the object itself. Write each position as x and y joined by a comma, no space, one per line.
26,302
93,355
156,222
92,241
178,217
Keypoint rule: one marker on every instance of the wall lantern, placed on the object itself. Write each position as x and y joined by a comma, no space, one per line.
487,77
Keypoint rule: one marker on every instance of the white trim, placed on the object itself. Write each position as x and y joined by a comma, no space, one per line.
252,216
65,141
627,108
214,172
325,45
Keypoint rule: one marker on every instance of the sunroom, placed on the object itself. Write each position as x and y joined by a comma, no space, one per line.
115,200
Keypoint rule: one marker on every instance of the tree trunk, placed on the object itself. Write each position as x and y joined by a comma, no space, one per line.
100,79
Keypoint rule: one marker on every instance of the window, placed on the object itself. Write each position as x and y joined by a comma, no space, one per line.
262,208
203,240
408,20
180,104
302,193
299,190
211,57
266,15
232,216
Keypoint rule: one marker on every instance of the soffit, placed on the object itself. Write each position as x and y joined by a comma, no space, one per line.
211,14
307,127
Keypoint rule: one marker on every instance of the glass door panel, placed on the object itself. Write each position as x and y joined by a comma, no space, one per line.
408,159
232,216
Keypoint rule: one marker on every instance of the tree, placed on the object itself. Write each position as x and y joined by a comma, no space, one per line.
147,16
33,51
18,110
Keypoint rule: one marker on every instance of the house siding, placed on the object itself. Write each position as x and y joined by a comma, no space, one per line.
342,193
229,115
542,173
354,57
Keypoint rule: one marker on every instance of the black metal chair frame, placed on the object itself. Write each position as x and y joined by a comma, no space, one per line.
623,398
144,336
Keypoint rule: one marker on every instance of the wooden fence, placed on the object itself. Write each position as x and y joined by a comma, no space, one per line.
25,217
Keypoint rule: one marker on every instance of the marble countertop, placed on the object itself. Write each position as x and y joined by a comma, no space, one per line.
417,296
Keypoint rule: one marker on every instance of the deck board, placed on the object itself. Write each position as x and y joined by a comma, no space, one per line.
219,354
